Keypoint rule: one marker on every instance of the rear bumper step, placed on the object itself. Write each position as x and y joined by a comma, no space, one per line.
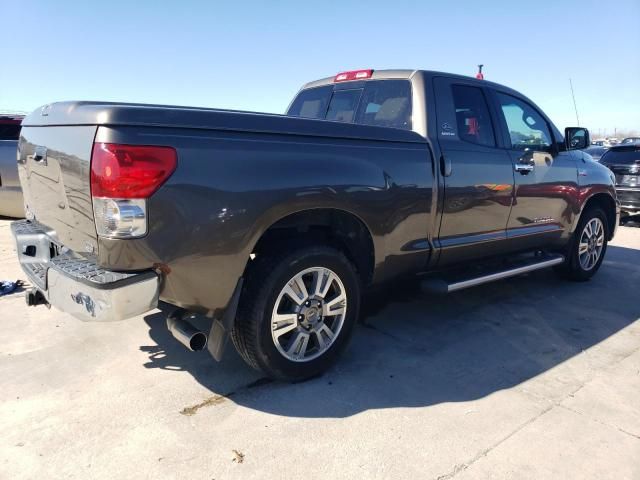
77,285
444,285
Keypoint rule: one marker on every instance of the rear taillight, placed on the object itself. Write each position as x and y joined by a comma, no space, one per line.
130,171
353,75
122,178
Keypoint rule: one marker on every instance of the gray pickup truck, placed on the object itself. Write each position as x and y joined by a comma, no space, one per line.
272,226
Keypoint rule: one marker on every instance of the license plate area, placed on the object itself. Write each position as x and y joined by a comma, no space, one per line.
34,245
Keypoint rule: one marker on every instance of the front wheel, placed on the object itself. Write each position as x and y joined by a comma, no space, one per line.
587,248
297,312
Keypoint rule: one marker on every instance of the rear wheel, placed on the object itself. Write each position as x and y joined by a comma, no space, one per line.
588,246
297,312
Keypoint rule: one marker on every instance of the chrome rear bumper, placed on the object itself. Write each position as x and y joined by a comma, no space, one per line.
76,284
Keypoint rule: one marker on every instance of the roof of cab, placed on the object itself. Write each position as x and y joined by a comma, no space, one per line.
377,75
400,74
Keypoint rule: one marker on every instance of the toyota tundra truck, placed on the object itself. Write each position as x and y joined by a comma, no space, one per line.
273,226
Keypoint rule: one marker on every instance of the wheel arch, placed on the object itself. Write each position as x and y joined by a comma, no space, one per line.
332,226
607,203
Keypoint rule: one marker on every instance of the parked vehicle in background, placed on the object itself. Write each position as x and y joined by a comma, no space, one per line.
595,151
628,140
599,143
273,225
11,203
624,162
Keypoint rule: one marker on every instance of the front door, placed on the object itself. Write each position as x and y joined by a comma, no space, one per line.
545,176
477,172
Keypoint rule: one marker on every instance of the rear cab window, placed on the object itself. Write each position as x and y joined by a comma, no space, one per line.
9,129
385,103
343,105
311,103
627,155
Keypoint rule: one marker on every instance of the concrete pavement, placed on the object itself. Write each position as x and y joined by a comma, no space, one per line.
531,377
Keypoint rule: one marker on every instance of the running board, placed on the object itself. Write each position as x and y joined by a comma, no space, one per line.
442,285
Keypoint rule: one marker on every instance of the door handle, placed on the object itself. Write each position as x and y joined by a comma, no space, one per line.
40,155
445,166
523,168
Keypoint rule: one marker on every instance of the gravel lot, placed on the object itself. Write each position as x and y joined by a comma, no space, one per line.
532,377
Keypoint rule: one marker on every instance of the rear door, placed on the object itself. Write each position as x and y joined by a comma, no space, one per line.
545,175
478,173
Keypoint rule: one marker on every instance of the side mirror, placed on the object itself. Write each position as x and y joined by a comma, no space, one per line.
576,138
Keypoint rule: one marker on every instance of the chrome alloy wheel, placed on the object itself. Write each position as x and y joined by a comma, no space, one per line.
308,314
591,243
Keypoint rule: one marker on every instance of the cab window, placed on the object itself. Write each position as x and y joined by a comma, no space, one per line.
386,103
9,129
528,130
343,105
472,116
311,103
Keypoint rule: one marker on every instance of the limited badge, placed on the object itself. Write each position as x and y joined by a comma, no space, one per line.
447,130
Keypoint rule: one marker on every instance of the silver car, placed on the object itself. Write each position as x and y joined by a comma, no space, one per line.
11,203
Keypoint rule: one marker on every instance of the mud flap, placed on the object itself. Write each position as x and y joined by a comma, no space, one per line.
221,328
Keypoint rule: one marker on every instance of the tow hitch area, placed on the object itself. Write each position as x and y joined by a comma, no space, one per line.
34,297
76,284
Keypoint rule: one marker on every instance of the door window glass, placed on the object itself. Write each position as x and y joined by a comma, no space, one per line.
472,116
527,129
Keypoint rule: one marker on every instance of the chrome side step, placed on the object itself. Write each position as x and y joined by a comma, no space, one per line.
442,285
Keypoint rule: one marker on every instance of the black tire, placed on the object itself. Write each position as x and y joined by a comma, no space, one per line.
572,269
264,282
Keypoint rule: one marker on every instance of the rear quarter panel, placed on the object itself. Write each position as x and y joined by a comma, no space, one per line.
229,187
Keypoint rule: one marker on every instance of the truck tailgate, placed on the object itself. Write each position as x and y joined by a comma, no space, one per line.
54,169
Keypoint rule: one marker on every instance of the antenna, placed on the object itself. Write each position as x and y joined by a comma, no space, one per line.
575,107
479,75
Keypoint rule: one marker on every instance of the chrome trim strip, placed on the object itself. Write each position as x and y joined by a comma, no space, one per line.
465,240
534,229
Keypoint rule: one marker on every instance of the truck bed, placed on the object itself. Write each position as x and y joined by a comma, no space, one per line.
238,173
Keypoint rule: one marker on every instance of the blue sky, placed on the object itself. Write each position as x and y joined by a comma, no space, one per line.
255,55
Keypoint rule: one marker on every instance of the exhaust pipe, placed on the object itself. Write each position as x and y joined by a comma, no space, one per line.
188,335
